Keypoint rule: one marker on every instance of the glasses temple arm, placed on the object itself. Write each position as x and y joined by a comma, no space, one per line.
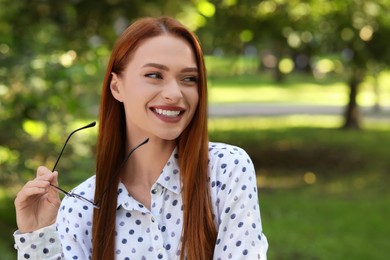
67,139
118,170
61,190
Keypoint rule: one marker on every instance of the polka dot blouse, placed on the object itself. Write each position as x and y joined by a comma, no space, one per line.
155,234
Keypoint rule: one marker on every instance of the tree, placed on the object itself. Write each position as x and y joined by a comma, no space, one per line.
52,57
355,31
358,31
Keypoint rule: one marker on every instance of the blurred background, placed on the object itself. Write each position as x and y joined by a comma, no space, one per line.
303,86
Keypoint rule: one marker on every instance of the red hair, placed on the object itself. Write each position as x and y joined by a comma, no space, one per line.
199,231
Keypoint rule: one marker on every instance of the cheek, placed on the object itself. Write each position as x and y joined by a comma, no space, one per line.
193,96
137,90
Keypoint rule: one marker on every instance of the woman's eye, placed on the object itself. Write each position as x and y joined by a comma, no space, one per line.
153,75
190,79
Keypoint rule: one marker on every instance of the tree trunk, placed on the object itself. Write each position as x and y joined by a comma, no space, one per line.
377,106
352,113
277,73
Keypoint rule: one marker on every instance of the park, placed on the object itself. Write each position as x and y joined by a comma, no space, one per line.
302,86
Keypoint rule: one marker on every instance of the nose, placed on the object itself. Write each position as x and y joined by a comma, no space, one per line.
172,91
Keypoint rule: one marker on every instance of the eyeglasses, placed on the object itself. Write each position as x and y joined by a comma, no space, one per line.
78,196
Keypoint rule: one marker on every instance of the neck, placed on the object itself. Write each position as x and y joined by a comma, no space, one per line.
146,163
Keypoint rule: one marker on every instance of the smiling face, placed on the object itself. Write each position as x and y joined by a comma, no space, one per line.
158,88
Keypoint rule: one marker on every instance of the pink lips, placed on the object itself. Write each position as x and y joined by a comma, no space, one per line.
168,114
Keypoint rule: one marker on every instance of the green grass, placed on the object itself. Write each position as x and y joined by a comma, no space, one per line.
308,223
262,88
323,191
296,89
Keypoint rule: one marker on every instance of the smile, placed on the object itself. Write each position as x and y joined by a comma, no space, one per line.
168,113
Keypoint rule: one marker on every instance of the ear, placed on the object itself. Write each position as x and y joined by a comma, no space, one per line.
115,87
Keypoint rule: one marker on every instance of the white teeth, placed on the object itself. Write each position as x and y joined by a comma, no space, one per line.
170,113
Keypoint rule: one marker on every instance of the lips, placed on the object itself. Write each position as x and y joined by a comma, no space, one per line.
168,113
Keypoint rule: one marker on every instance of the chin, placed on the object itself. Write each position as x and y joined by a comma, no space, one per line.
169,136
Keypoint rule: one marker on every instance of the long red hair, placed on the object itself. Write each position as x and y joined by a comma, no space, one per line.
199,231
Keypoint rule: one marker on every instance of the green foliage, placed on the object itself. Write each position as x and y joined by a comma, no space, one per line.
355,30
52,58
52,55
7,223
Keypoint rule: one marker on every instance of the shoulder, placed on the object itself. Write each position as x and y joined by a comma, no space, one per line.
229,164
71,206
215,149
232,178
227,155
86,188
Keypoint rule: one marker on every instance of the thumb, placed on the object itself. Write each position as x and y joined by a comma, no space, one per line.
53,194
54,180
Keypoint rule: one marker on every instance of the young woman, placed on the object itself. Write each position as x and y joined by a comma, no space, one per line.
177,196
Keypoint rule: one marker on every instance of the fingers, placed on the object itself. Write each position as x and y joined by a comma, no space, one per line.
53,193
30,190
44,173
37,187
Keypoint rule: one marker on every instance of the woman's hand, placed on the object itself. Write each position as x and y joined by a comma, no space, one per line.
37,203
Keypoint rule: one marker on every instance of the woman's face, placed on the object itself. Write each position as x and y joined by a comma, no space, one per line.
159,88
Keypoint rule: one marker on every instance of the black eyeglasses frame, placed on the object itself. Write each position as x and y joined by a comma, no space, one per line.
78,196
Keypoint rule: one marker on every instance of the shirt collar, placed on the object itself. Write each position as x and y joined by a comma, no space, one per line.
169,179
170,176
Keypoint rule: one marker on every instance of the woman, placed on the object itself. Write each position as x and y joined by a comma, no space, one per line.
178,196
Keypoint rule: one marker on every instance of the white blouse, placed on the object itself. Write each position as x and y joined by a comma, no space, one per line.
155,234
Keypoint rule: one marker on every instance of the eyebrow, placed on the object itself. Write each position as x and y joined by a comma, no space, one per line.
191,69
156,65
163,67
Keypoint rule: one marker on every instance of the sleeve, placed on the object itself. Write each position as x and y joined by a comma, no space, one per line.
240,234
43,243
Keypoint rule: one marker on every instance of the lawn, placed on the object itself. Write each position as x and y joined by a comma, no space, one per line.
323,191
296,89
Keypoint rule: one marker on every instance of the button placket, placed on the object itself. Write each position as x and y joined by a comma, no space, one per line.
156,193
157,237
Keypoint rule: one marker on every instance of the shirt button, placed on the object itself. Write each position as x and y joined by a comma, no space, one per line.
155,190
153,220
159,251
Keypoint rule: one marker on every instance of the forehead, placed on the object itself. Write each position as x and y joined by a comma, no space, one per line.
165,49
